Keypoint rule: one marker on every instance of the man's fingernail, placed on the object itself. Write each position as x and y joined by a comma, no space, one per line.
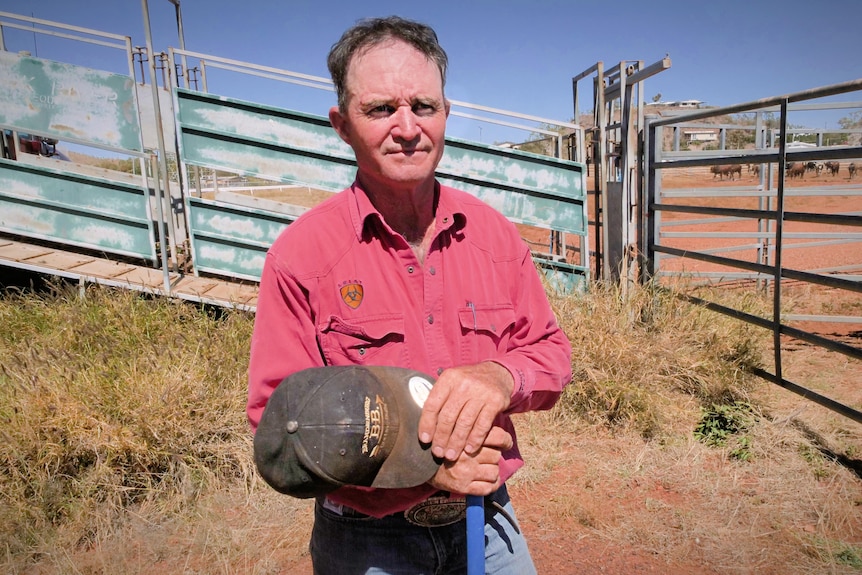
437,451
469,449
424,438
451,455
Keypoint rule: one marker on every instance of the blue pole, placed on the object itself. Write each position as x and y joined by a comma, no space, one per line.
475,535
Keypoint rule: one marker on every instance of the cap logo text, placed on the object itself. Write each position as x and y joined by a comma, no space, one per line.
375,426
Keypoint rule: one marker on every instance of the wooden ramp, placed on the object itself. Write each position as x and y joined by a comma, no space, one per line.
103,271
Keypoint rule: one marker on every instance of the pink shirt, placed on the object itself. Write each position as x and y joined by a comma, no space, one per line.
339,287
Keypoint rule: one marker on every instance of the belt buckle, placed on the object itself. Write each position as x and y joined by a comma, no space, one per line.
437,511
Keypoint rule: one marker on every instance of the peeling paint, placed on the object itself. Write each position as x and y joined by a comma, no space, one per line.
225,116
513,170
38,202
233,261
40,184
18,188
244,227
22,219
213,253
65,100
557,214
104,235
254,264
269,164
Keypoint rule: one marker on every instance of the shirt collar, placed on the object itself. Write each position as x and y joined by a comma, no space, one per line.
449,212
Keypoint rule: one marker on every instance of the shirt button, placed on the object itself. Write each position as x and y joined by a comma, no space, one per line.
430,319
409,269
432,271
361,351
439,371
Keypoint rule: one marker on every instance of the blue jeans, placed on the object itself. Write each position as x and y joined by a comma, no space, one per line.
348,545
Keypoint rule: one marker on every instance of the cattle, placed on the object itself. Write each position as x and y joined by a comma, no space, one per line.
832,167
735,169
852,170
796,170
726,170
815,167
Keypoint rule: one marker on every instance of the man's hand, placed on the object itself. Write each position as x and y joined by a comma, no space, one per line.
476,474
461,408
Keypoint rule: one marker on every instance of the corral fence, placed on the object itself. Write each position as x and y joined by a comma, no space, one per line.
216,177
172,116
781,212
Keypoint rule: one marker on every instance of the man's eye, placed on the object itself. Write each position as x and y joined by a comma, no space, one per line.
381,110
423,109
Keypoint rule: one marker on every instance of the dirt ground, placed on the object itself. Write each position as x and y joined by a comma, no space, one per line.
591,502
577,540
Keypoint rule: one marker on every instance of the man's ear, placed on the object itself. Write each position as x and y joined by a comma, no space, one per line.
339,124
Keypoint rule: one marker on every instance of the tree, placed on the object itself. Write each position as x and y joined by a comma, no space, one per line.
739,139
852,121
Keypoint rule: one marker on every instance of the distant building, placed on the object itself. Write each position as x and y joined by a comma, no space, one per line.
678,104
700,136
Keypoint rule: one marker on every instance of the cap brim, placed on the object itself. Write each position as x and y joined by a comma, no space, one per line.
314,417
410,463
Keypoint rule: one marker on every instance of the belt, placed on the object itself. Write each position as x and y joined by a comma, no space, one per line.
438,510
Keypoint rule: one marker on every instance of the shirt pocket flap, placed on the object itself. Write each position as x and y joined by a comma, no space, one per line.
361,340
492,319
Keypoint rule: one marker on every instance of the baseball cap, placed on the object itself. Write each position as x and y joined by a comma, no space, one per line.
326,427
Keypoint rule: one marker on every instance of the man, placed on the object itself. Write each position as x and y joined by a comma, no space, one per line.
399,270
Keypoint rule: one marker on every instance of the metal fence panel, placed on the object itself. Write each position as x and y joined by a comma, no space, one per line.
232,239
68,102
87,212
276,144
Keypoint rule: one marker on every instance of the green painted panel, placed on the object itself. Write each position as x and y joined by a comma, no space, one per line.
282,145
86,212
551,212
222,257
300,148
67,101
254,158
563,278
512,168
232,240
84,193
263,124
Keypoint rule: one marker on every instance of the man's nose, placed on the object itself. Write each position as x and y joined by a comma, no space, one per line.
406,127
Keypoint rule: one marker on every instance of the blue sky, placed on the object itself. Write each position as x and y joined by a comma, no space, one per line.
514,55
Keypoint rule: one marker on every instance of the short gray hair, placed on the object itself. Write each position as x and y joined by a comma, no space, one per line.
373,31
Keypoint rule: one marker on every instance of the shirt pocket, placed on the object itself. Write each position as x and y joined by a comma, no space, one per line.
373,340
485,331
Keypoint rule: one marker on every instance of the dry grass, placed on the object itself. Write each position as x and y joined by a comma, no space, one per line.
110,403
635,357
125,447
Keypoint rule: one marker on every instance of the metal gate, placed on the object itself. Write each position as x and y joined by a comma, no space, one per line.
189,142
749,234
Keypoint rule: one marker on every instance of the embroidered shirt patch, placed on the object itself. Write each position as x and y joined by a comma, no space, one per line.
351,294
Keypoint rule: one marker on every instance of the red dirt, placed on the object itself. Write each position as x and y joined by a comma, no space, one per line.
571,516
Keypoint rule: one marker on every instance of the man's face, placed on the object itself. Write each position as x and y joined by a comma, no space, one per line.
396,116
